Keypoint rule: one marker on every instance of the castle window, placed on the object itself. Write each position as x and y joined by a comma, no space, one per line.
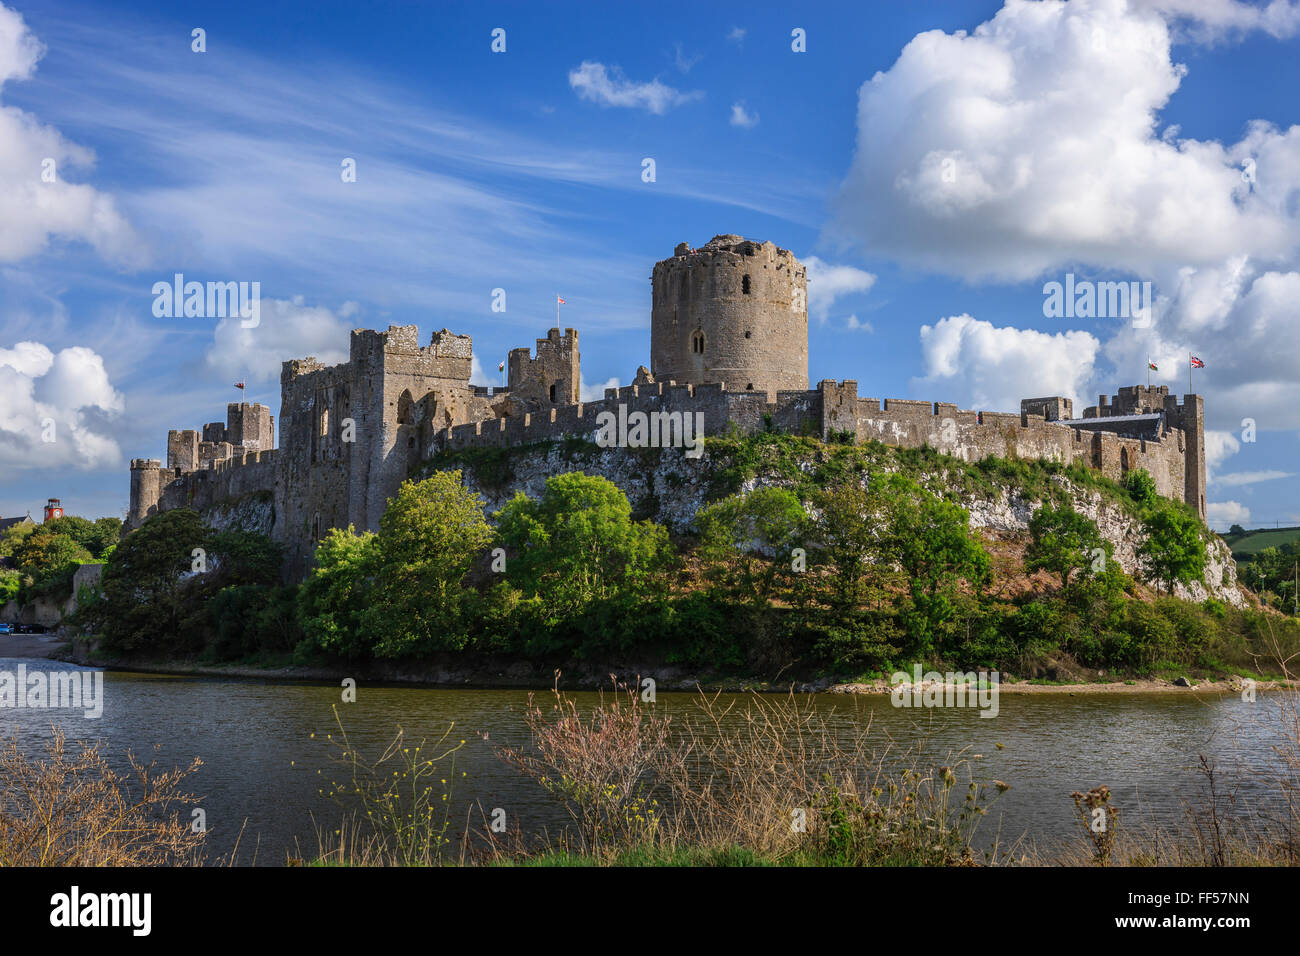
748,334
552,394
404,408
697,343
744,285
750,386
324,422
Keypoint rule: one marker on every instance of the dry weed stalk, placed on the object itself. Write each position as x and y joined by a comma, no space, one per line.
70,808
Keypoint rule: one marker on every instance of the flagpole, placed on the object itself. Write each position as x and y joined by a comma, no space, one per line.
1189,373
1148,370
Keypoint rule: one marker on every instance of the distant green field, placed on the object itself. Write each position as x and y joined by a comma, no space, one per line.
1252,542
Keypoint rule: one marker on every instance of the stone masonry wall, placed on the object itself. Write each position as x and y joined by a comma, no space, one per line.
733,312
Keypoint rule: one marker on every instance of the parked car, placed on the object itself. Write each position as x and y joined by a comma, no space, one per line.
5,628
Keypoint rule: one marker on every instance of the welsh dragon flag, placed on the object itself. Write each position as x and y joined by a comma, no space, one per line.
1152,365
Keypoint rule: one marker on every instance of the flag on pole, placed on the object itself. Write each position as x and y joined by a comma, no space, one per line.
1152,365
560,301
239,385
501,367
1197,363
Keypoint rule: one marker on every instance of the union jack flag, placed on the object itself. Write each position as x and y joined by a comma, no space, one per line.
1197,363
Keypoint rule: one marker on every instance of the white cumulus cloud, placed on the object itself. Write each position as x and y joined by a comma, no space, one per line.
289,329
594,393
981,366
1034,141
827,282
1220,514
57,409
37,201
742,117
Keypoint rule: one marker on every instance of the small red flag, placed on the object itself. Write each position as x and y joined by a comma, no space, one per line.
561,301
239,385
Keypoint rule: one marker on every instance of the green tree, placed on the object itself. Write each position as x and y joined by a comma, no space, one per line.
579,557
1174,549
748,541
1061,541
95,536
1141,487
842,611
333,599
147,585
47,559
107,533
79,529
13,535
10,581
430,535
931,540
244,557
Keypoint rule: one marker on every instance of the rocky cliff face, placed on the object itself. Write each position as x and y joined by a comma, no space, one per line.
1010,513
668,487
250,512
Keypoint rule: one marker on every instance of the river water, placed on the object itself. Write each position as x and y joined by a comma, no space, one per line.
264,772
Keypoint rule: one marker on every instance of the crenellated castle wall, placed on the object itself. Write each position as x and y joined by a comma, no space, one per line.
729,351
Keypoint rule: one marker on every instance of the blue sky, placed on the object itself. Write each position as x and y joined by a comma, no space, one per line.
1096,137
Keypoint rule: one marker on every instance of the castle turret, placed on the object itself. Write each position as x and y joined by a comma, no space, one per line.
146,489
734,311
182,450
553,377
1190,417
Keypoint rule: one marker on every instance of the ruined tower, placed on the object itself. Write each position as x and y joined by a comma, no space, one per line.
553,377
734,311
146,488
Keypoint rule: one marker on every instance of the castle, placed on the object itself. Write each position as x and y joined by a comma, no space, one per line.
729,344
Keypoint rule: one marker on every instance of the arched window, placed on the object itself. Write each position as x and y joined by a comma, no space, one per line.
744,285
697,342
552,394
1123,461
404,408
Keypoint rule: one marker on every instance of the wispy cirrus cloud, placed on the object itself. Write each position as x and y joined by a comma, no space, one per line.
1236,479
608,86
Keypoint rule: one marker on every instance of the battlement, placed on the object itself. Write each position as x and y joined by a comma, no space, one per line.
1131,400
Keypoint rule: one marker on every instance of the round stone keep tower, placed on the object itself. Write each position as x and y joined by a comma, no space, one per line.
734,311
